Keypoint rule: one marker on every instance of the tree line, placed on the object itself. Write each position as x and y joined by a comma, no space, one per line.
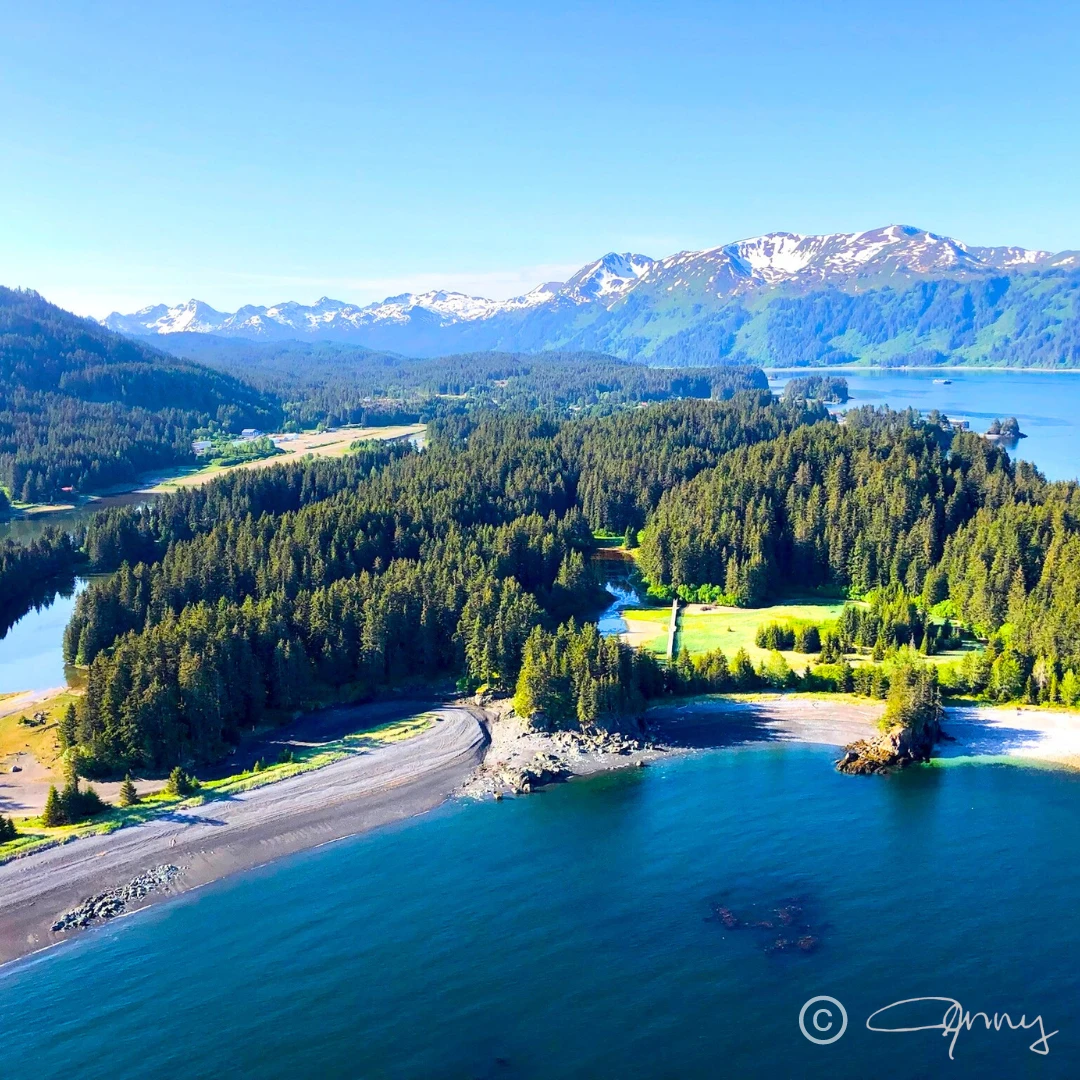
267,588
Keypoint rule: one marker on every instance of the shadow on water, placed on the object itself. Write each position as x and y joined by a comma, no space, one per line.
40,598
973,738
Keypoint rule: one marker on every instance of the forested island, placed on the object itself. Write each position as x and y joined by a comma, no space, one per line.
828,389
1007,430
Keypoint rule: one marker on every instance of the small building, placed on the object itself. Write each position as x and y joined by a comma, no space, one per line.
250,433
201,446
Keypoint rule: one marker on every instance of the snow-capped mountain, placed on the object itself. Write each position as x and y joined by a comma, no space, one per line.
194,317
607,278
603,280
622,302
789,259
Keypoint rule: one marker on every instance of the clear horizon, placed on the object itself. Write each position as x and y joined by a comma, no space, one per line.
254,155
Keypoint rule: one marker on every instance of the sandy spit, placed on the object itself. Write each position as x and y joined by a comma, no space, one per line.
1023,734
221,837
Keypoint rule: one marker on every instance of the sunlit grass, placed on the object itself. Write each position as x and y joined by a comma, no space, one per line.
33,836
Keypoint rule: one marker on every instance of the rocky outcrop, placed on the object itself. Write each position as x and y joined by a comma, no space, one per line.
553,767
108,905
543,769
891,750
524,755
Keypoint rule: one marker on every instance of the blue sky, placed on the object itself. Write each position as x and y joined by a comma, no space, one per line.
259,152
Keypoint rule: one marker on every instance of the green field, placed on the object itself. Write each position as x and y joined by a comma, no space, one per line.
732,629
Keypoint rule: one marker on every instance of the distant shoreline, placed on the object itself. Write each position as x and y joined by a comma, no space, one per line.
928,368
335,443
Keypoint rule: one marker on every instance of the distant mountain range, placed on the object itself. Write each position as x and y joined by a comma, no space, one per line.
891,295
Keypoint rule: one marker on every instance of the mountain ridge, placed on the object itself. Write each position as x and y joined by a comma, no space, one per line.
635,306
82,408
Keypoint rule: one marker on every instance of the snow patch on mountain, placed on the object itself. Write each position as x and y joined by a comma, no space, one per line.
608,277
762,262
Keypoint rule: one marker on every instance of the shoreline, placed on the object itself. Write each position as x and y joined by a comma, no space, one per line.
920,367
335,443
470,751
224,836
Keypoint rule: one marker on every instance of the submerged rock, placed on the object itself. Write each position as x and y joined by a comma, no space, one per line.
785,930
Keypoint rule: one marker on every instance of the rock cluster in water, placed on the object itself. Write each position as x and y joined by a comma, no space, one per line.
785,928
113,902
551,768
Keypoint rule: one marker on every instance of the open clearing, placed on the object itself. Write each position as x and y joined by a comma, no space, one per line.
703,627
647,628
334,443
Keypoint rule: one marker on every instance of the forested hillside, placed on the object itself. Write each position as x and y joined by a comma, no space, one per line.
334,383
865,502
83,408
268,589
422,563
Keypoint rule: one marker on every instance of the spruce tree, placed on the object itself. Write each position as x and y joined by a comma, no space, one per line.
53,814
7,829
128,795
180,783
66,728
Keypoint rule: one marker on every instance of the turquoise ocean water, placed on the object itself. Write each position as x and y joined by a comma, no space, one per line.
569,934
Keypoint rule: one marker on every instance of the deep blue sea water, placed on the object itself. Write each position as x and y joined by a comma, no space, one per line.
1047,404
567,934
